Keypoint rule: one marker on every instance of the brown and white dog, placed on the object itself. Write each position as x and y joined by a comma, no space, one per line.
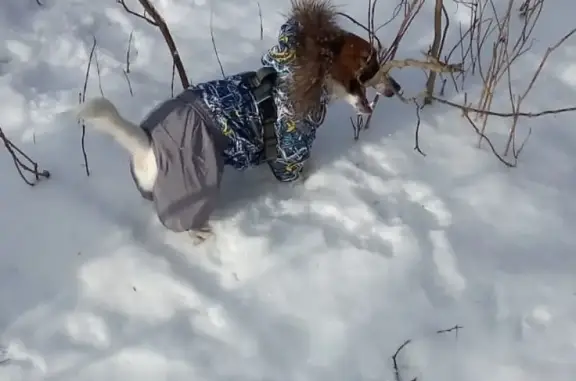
182,179
328,55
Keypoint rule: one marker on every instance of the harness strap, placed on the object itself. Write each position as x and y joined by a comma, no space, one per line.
262,84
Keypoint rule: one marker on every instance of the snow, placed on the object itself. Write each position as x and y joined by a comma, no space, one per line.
318,281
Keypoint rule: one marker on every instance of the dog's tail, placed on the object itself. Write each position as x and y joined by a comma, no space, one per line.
107,119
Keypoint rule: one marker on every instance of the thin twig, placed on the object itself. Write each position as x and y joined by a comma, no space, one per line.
505,114
126,71
435,49
82,99
261,22
455,328
173,76
98,70
417,133
31,167
158,20
143,17
395,359
128,81
128,52
214,44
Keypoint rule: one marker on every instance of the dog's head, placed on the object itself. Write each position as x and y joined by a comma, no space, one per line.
355,64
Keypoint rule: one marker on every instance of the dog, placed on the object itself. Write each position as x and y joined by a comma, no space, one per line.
179,151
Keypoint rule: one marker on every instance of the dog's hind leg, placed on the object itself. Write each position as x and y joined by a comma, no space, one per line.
201,235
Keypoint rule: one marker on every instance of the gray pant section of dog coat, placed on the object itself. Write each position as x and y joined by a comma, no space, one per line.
188,148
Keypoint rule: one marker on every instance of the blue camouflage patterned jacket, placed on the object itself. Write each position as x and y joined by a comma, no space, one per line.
236,112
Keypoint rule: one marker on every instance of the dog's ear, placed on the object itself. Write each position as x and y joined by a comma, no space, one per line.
354,62
358,56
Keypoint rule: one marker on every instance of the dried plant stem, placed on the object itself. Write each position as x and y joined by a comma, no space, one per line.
21,167
158,20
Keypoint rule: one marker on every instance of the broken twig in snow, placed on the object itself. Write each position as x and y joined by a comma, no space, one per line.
126,71
82,99
395,360
31,166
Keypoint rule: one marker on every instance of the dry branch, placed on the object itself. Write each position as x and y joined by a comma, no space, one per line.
214,43
435,49
417,133
143,16
490,47
455,329
158,20
82,99
491,34
395,360
505,114
126,71
386,56
397,374
432,64
21,167
261,22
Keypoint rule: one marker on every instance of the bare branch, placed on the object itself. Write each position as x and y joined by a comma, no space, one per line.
214,44
31,167
417,133
158,20
455,328
395,360
128,52
143,17
505,114
261,22
435,49
411,9
126,71
82,99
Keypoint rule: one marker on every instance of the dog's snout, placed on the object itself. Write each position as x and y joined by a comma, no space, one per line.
390,88
395,84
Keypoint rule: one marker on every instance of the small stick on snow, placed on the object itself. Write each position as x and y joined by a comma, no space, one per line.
395,360
417,133
127,70
31,167
82,99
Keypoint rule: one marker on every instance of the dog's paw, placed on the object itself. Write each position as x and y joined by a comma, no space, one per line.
364,108
200,235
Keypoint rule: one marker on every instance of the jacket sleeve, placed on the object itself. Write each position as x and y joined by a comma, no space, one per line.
293,144
295,135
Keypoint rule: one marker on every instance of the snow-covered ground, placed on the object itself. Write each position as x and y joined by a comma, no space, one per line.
320,281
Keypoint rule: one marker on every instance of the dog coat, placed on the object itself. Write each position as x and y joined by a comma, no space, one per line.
295,135
218,123
188,146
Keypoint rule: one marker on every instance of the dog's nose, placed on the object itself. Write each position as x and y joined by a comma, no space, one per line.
388,93
390,88
395,84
